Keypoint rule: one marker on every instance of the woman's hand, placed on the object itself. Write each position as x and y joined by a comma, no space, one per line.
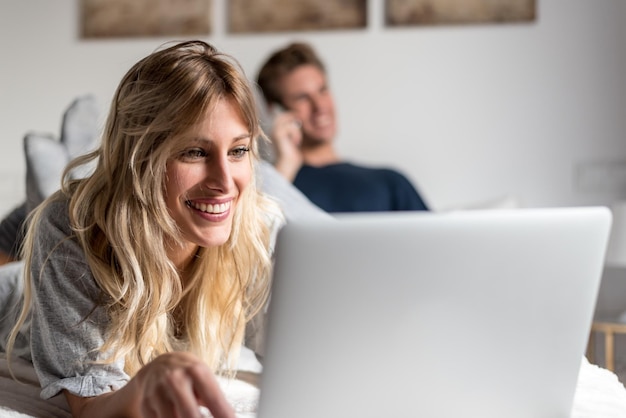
287,138
174,385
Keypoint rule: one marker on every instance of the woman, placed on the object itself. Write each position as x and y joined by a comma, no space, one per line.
141,277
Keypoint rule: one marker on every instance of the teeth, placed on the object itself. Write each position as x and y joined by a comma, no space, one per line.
209,208
322,121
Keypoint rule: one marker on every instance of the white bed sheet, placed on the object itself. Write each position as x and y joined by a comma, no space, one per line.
599,394
21,400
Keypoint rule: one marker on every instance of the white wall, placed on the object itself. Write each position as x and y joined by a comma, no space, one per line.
470,113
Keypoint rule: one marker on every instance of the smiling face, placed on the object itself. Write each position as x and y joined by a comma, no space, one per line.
206,177
305,92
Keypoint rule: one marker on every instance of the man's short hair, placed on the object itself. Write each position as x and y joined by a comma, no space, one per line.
281,63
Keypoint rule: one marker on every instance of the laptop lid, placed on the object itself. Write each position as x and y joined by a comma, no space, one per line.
475,313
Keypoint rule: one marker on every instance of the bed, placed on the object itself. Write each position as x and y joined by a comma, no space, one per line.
599,393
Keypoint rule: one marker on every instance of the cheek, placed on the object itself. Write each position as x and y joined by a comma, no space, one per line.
330,104
242,175
175,183
303,112
170,193
300,109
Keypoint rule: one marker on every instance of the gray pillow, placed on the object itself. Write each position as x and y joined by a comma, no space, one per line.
295,205
45,160
11,290
46,157
12,230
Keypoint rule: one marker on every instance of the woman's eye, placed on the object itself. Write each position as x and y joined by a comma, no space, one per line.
240,152
193,154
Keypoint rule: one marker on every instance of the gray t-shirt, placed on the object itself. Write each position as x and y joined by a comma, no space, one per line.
68,326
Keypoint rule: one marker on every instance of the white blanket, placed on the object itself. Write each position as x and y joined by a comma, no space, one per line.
599,394
21,399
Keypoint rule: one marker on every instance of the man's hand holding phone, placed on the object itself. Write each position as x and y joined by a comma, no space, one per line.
287,138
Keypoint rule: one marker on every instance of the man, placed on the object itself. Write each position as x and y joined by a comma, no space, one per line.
293,80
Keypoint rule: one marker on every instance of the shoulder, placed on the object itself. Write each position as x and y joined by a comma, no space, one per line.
395,175
388,173
53,214
405,194
51,229
335,170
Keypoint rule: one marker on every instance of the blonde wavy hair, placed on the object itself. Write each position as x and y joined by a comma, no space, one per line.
119,217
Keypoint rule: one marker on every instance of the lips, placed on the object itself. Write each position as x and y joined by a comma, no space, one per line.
321,122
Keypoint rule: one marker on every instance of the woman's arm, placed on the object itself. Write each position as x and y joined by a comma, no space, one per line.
173,385
69,327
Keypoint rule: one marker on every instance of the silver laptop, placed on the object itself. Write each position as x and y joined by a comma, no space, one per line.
461,314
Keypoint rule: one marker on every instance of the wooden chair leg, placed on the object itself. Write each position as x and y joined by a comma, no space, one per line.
609,329
609,342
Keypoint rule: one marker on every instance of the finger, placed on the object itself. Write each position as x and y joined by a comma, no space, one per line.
154,403
210,394
295,135
293,123
183,398
216,403
288,119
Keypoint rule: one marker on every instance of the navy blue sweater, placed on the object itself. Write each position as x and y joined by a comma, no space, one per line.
345,187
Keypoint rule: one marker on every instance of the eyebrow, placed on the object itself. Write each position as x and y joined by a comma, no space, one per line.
247,135
209,140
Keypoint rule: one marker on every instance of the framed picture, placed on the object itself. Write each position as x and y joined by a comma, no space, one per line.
251,16
144,18
448,12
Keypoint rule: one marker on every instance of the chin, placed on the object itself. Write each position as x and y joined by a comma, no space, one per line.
320,139
215,238
327,135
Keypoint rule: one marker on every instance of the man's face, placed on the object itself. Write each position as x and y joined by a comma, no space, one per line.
305,92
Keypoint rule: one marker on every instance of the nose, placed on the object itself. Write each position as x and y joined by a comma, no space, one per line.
316,103
218,176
